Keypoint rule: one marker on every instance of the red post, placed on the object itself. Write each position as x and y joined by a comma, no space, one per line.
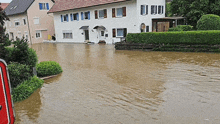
6,104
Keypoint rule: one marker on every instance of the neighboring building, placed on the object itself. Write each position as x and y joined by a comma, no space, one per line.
29,18
104,20
4,5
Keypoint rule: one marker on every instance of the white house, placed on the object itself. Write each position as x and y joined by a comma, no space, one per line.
107,21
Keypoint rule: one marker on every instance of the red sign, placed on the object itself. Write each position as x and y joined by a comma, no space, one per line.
7,115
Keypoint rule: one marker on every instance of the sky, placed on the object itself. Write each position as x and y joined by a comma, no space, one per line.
5,1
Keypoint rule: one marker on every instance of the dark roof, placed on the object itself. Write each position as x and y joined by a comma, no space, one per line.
18,6
170,18
62,5
4,5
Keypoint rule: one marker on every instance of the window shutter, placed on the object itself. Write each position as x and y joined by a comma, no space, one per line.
124,11
82,18
105,13
61,18
113,33
146,9
47,6
155,9
88,15
67,18
77,15
96,14
71,17
125,32
147,28
142,7
162,9
40,6
113,12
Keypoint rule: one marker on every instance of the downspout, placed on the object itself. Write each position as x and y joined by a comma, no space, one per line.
29,29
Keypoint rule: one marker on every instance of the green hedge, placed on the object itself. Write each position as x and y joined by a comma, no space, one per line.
48,68
182,37
26,88
209,22
18,73
181,28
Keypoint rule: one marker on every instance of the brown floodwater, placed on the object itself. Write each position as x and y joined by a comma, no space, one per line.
100,85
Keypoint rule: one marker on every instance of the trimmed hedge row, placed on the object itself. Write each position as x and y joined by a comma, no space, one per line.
186,37
48,68
26,88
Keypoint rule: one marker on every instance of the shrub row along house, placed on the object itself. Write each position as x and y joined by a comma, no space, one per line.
29,18
103,20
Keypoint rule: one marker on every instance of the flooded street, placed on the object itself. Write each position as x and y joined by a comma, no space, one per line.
100,85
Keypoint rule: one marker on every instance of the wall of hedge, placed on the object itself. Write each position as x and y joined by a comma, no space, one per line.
182,37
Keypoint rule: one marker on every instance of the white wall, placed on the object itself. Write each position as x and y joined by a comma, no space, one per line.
132,21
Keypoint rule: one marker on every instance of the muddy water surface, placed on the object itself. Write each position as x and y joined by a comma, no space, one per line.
102,86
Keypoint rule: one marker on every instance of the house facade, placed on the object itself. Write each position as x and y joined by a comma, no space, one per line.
29,18
106,21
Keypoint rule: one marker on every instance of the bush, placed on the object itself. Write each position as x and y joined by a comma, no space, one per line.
181,28
18,73
26,88
181,37
32,58
209,22
48,68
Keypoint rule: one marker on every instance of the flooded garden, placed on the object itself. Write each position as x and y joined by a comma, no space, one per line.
100,85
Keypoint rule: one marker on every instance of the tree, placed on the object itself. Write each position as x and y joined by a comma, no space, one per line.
193,10
4,40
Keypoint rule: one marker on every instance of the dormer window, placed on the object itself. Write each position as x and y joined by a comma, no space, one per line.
44,6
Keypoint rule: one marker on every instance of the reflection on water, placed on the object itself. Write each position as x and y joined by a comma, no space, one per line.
102,86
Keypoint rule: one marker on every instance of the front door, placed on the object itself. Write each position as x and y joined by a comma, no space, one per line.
86,35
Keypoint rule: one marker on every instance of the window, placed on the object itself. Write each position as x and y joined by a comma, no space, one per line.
119,12
24,20
144,9
44,6
102,33
65,18
26,35
120,32
160,9
36,21
17,23
74,17
67,35
101,14
147,28
38,34
153,9
85,15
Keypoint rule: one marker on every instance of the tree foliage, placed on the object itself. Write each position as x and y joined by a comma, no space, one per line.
4,40
194,9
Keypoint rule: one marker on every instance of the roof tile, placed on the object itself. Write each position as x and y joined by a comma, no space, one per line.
62,5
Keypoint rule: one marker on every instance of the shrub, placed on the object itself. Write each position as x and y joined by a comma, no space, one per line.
209,22
48,68
181,37
18,73
26,88
32,58
181,28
